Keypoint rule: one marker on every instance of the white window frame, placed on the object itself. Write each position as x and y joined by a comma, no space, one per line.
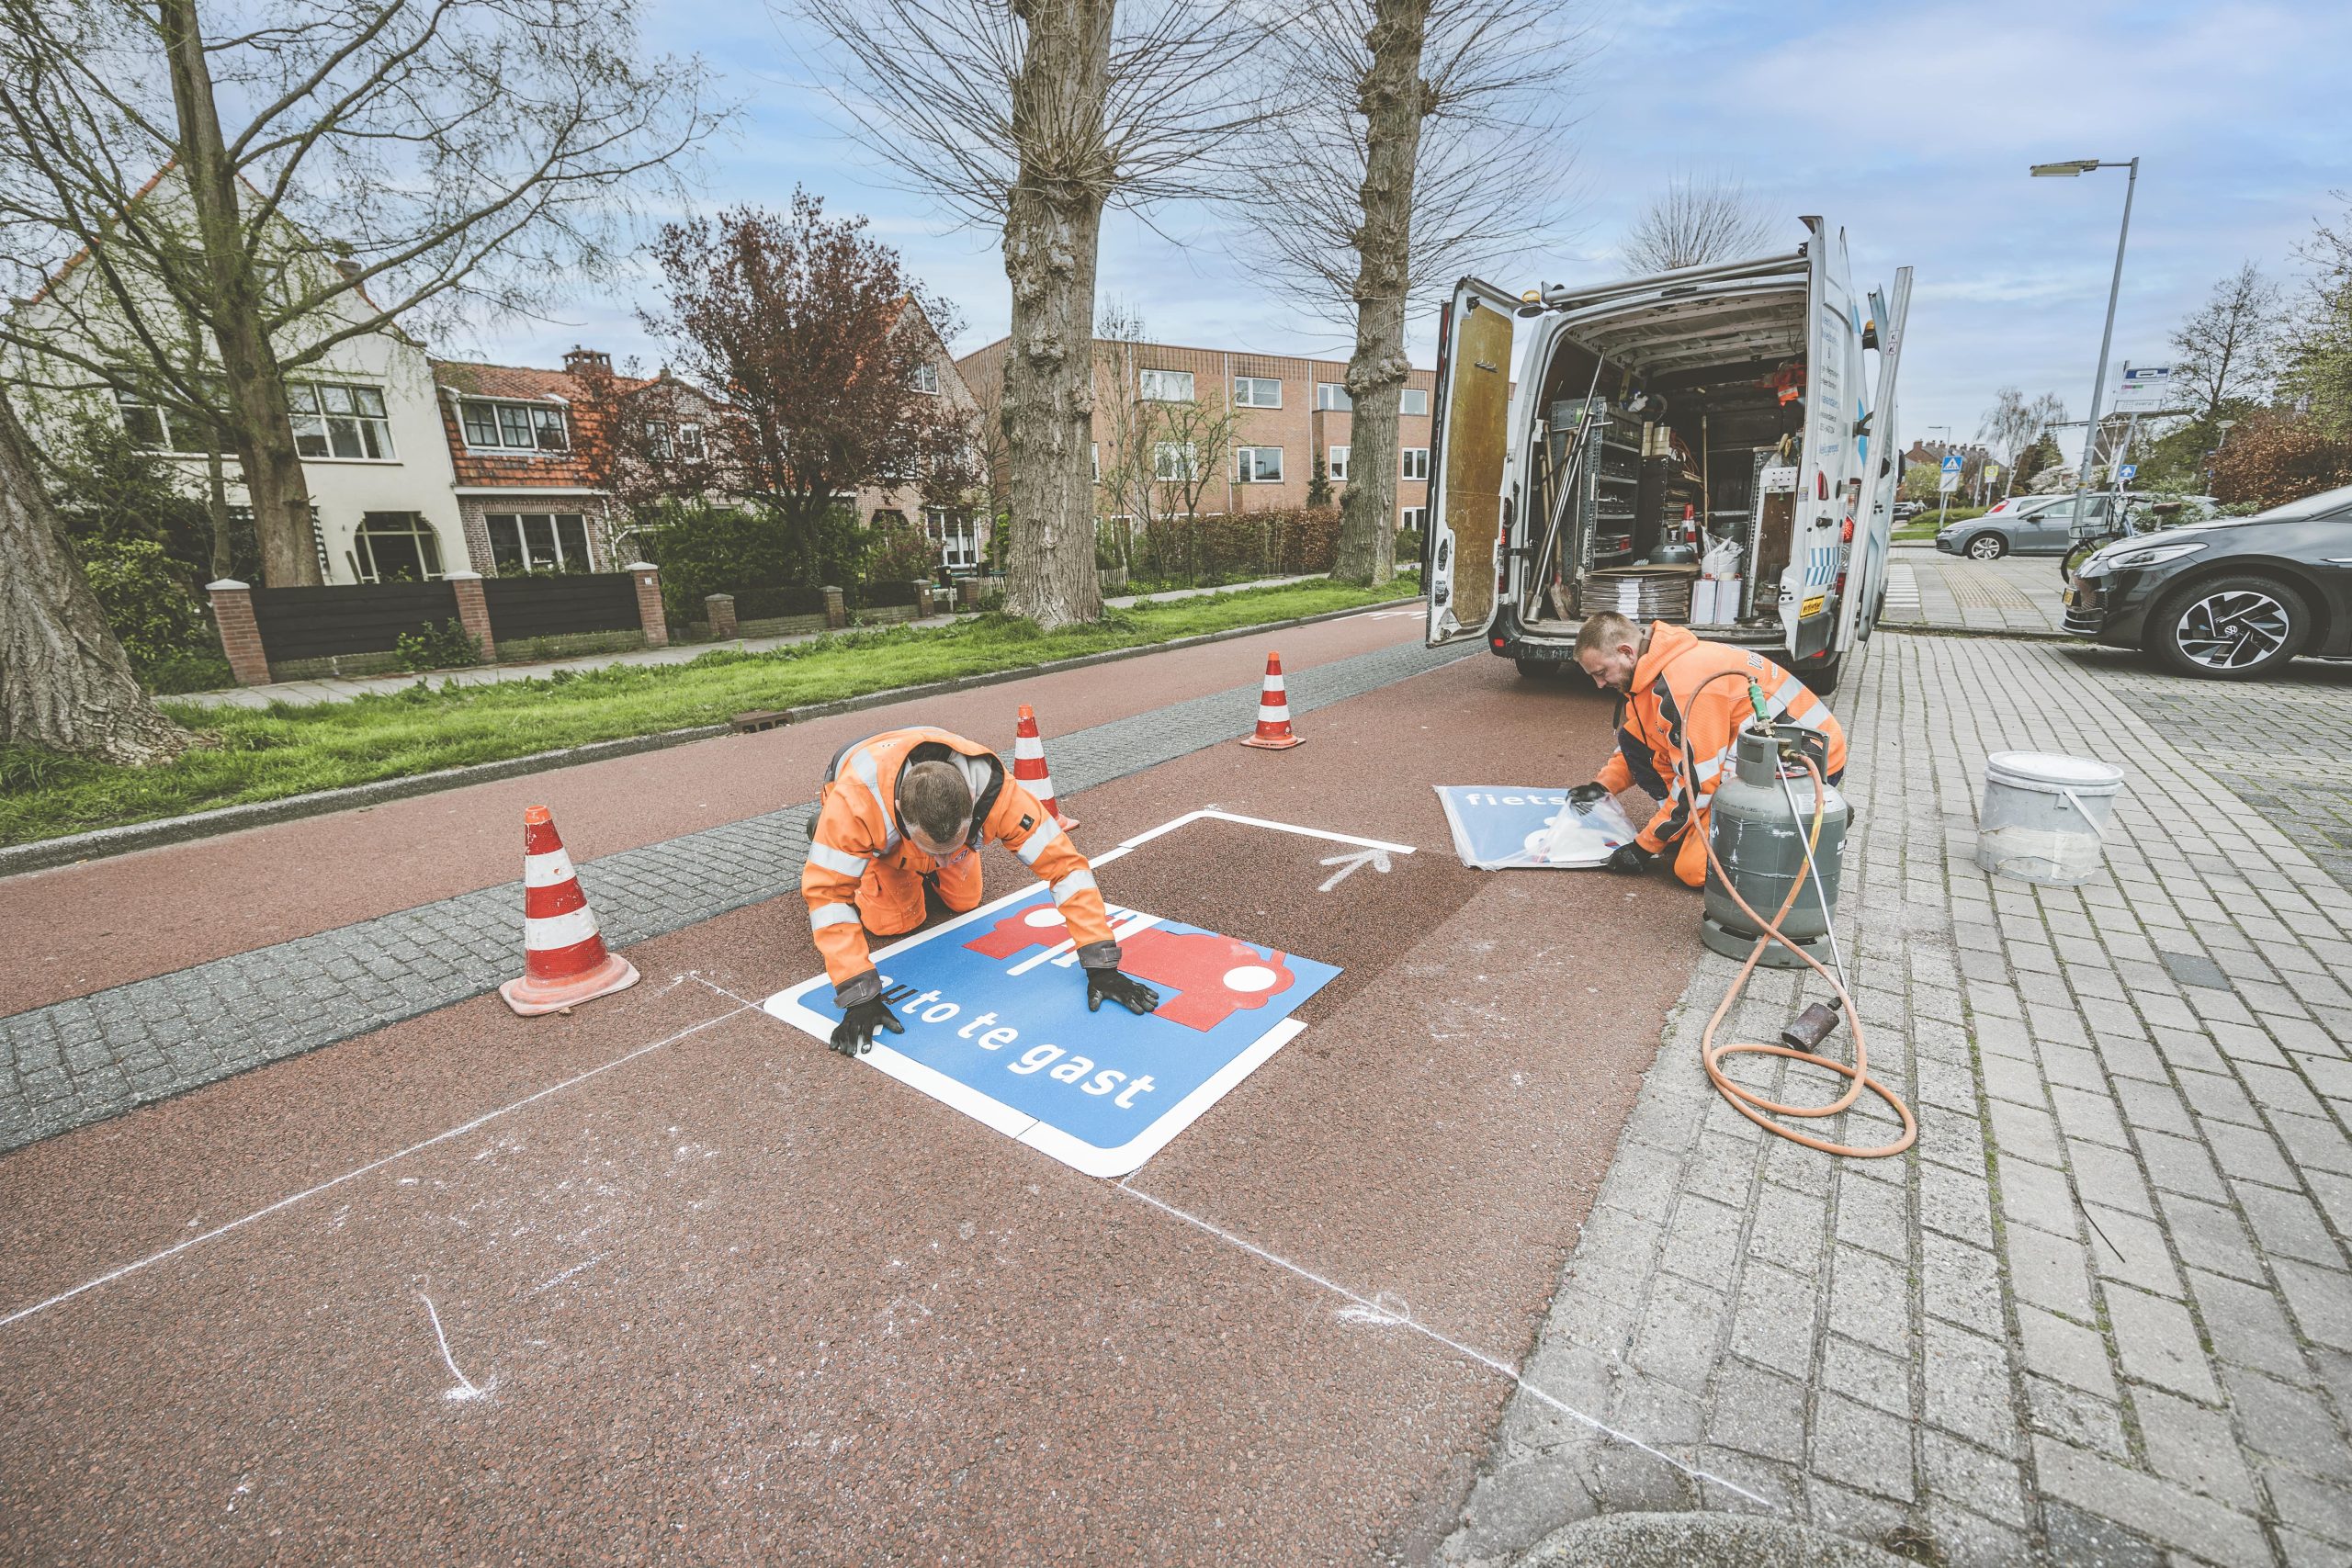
128,403
524,545
1248,391
1420,392
431,562
1175,462
1095,451
958,537
324,411
926,379
1334,465
536,415
1159,386
1416,518
1248,468
1332,396
1415,463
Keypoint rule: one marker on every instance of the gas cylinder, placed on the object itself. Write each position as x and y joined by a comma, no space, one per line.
1760,845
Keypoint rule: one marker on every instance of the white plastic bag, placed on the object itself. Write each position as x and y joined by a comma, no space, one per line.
1582,834
1722,559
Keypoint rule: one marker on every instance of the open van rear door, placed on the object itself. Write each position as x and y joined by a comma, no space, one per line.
1470,436
1882,474
1833,402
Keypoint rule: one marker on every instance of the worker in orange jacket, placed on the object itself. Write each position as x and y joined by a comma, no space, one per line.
909,810
1672,699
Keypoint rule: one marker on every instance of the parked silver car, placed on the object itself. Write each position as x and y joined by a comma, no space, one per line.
2043,526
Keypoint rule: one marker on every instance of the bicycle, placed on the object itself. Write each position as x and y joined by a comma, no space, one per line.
2089,544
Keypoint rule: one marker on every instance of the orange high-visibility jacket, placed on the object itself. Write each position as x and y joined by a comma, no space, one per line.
1666,707
859,823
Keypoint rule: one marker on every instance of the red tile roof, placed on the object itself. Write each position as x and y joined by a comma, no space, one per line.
514,383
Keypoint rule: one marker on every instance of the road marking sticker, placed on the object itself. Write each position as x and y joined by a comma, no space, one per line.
997,1025
1349,865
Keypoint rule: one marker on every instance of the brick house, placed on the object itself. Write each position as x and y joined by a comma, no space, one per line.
1287,411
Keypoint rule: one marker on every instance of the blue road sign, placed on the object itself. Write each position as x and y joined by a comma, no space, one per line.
1953,464
1499,827
994,1006
2129,470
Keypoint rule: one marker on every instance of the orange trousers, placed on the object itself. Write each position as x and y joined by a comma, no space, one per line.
889,896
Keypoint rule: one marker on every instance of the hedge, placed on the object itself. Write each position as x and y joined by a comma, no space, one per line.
1294,541
771,603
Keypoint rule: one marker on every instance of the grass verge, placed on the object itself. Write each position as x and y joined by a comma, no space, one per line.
252,754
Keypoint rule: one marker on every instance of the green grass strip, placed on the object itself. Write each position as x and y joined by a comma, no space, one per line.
267,753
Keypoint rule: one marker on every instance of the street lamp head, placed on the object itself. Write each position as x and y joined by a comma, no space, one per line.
2067,170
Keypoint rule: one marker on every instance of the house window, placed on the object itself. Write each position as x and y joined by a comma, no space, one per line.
1338,467
1332,395
1257,465
960,546
396,546
537,541
516,427
1415,400
1094,450
1416,518
1256,392
154,428
690,445
927,379
1417,462
660,447
1174,462
332,420
1165,386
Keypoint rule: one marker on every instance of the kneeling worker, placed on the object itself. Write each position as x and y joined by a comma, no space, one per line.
907,810
1660,675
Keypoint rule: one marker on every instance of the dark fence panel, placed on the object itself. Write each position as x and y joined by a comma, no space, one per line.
367,618
882,595
769,603
558,607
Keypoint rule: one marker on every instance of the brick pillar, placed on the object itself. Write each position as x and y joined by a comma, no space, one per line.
649,603
473,611
836,609
719,608
232,612
922,601
968,591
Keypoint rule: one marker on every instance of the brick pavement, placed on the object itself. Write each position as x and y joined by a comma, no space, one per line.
78,1061
1926,588
2102,1314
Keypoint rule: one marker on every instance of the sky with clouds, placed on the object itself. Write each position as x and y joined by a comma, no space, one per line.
1911,126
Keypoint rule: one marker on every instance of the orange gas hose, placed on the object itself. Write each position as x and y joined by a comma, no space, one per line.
1753,1106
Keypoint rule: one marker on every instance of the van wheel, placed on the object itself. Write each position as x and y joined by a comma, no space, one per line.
2229,628
1537,669
1823,678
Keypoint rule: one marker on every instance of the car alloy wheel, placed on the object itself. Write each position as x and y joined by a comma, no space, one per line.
2234,629
1987,547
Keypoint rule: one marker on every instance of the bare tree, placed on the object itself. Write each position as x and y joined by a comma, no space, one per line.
1032,118
2007,427
1397,114
1695,222
334,166
65,683
2230,346
1164,453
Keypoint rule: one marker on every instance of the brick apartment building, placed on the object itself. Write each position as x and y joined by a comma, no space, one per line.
1287,411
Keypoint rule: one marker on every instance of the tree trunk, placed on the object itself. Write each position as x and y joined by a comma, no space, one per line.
216,509
65,683
272,467
1052,227
1394,101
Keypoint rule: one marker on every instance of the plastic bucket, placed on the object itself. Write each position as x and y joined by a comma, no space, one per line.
2045,816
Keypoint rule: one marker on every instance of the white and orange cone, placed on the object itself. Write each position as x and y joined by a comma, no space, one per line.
1275,733
1029,766
565,961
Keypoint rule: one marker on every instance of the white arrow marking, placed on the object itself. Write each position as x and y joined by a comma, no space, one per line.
1348,864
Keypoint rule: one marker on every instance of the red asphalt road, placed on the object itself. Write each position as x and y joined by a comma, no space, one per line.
734,1299
82,928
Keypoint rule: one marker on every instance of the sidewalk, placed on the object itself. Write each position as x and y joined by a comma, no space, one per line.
2102,1314
1926,588
302,694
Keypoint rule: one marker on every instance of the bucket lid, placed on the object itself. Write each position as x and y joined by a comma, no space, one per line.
2051,770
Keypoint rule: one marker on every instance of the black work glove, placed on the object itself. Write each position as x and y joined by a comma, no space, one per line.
1631,859
1109,984
1587,795
859,1022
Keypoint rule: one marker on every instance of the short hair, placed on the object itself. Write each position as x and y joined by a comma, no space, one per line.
1604,630
937,798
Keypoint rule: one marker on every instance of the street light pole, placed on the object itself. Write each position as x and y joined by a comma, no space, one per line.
2114,288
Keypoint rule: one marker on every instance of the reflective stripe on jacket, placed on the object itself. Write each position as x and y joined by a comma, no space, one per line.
1666,706
859,821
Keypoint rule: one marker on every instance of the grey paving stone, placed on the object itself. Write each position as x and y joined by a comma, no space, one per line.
2070,1352
2194,1446
2169,1514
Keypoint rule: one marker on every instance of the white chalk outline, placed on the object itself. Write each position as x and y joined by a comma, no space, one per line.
465,1389
1089,1159
334,1181
1376,1311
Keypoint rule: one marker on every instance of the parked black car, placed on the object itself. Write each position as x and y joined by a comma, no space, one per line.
2229,599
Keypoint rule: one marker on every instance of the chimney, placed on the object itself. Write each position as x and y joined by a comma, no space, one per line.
349,268
581,359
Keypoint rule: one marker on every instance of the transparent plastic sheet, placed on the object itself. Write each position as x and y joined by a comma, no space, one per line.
1515,826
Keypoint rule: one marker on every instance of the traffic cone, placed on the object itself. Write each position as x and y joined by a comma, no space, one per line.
1029,766
1273,712
565,961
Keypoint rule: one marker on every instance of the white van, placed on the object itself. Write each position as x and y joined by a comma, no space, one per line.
1715,416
